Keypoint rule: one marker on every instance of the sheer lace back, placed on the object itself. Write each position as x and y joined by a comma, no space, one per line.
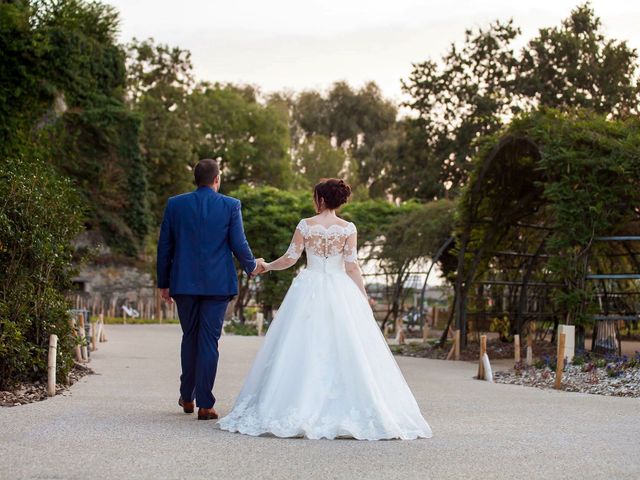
323,241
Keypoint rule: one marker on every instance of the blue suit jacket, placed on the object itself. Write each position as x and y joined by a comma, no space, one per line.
200,232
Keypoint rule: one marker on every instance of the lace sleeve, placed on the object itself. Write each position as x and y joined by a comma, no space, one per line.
350,252
296,247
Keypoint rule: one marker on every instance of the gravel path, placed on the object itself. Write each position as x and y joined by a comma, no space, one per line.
123,422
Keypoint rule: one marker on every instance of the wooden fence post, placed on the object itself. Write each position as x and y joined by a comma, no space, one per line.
529,360
51,365
100,327
560,362
103,330
425,332
516,348
400,333
260,322
76,348
83,338
456,345
483,350
94,336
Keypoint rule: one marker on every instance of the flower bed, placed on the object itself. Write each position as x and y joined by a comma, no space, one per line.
611,375
36,391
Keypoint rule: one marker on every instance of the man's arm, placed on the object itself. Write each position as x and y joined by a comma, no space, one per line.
165,251
238,241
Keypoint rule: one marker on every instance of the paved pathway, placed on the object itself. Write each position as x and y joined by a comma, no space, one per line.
123,423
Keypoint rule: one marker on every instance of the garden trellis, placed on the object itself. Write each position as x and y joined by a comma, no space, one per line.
542,195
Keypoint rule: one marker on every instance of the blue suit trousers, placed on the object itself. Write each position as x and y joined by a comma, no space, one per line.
201,319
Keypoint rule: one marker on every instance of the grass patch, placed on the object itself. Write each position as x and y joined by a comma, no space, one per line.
136,321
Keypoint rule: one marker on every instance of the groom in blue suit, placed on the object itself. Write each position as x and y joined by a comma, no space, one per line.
201,232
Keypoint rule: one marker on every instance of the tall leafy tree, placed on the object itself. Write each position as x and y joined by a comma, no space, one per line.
159,83
250,139
466,95
68,103
318,159
483,83
575,65
353,120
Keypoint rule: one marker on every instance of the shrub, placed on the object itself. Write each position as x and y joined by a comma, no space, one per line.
242,329
39,216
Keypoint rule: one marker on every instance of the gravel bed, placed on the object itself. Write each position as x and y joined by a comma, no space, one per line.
34,392
575,379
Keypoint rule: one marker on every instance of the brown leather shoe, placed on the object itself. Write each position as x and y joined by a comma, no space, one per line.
187,407
207,414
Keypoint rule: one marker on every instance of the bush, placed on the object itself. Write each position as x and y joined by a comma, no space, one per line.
242,329
39,216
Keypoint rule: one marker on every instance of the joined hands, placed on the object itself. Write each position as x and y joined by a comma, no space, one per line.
261,267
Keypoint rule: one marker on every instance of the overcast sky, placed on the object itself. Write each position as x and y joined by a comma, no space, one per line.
298,44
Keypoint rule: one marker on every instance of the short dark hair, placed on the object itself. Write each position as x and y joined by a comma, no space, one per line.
333,191
205,172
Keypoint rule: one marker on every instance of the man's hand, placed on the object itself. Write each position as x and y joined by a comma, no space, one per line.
260,267
164,293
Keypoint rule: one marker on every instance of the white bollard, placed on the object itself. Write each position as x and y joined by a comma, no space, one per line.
570,340
488,374
260,322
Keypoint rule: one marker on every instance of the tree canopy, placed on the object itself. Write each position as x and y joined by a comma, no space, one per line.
479,86
542,190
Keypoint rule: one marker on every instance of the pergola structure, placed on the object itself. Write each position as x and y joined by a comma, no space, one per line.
549,227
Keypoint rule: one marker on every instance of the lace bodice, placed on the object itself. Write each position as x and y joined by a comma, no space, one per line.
325,242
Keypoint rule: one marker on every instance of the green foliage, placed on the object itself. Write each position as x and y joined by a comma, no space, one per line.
250,140
242,329
64,90
501,326
417,232
137,321
584,183
477,86
398,237
159,79
372,217
20,91
318,159
270,218
355,121
40,214
575,65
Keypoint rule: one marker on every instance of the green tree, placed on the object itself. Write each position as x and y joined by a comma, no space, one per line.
318,159
251,140
477,87
159,80
270,218
353,120
76,109
575,65
397,237
464,96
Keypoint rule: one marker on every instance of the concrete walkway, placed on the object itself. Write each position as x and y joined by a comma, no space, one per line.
124,423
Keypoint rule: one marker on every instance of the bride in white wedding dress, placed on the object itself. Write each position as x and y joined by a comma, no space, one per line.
325,370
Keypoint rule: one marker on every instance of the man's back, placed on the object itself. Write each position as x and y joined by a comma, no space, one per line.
200,232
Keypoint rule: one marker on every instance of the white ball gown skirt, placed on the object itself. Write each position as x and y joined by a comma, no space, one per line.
325,370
